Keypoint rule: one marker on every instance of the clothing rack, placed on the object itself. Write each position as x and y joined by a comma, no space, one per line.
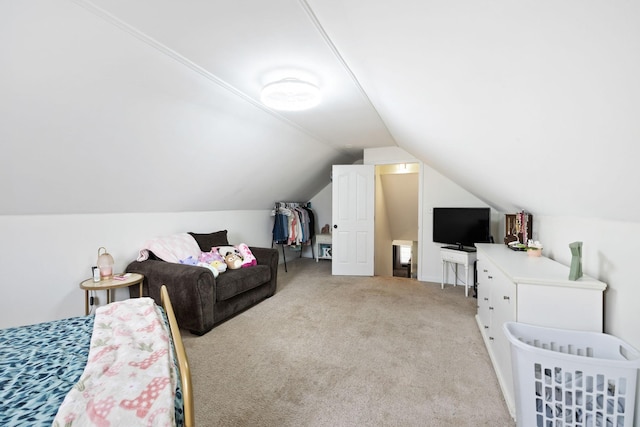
293,225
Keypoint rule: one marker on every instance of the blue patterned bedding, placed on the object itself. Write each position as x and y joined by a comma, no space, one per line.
38,365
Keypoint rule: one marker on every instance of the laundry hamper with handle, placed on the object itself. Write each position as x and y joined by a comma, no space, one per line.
566,378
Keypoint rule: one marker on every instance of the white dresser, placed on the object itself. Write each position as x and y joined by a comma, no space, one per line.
513,286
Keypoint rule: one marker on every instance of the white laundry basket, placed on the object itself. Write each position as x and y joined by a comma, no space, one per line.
565,378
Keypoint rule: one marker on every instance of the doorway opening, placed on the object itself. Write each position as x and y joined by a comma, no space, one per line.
403,257
396,220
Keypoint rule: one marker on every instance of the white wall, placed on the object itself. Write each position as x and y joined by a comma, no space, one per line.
43,258
321,205
387,156
401,193
608,254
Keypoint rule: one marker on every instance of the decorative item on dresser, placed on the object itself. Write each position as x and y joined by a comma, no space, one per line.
514,287
576,260
518,227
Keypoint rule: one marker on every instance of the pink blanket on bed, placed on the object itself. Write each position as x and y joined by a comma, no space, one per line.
130,378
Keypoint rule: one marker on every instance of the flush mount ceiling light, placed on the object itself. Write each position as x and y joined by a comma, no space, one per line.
290,95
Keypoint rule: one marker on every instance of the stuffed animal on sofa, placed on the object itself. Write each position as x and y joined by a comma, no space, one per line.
214,259
226,250
190,260
242,251
233,261
210,267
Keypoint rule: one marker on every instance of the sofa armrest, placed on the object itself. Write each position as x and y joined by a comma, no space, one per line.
270,257
191,289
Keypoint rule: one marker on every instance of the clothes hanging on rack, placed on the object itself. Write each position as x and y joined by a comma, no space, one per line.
280,225
294,223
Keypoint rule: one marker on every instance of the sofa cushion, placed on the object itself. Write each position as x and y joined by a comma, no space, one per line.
234,282
209,240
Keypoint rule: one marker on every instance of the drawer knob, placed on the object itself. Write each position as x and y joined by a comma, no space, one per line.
490,277
486,298
486,327
505,297
490,308
491,338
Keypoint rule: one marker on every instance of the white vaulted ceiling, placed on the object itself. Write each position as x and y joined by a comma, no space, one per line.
149,106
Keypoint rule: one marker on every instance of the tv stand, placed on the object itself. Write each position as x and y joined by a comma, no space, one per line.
451,254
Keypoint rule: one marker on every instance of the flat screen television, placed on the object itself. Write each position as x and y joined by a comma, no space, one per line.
461,226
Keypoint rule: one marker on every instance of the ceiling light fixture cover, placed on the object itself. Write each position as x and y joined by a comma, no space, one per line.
290,95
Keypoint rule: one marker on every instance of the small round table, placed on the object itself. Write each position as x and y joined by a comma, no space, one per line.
108,285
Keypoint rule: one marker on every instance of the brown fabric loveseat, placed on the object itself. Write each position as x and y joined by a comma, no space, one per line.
201,301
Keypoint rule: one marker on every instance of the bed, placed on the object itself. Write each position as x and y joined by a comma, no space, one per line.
125,365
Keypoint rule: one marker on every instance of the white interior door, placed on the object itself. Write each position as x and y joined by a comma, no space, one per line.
353,207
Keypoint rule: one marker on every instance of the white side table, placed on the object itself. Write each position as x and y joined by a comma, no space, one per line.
455,256
323,246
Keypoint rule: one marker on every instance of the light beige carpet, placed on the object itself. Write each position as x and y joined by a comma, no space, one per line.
347,351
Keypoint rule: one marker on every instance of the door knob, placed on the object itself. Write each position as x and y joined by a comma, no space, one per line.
335,225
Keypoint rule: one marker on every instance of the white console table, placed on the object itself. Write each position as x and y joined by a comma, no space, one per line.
455,256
